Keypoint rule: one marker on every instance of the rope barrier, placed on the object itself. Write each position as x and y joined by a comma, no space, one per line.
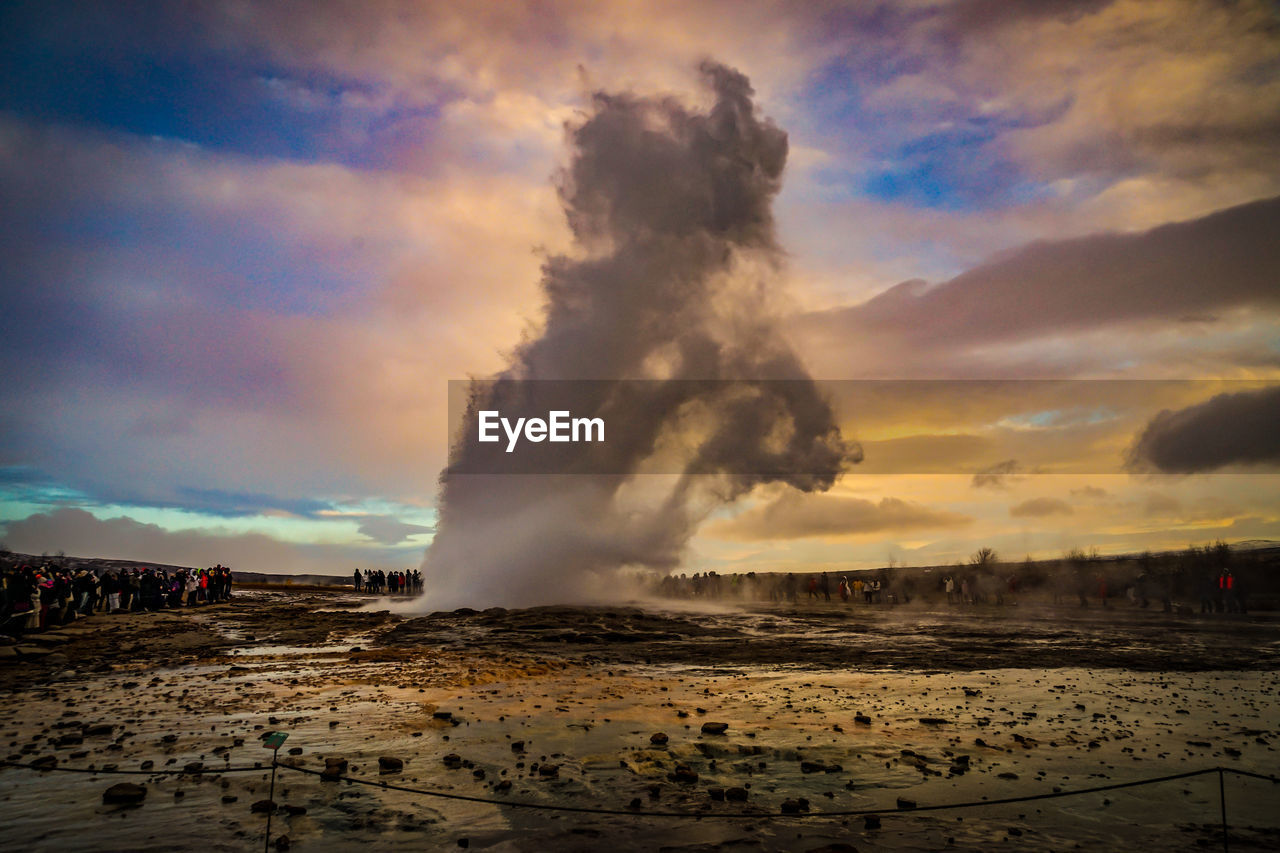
636,812
757,815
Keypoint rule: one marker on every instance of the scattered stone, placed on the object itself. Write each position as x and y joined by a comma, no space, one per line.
714,728
871,821
862,719
933,721
390,764
229,798
282,843
904,803
684,773
294,811
716,794
124,794
799,804
658,739
736,795
263,807
453,761
549,770
45,762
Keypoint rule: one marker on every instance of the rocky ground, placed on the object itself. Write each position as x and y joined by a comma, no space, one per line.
758,720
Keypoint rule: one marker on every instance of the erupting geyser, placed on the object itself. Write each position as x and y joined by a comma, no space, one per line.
669,283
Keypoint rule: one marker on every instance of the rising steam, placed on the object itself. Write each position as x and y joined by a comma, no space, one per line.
670,208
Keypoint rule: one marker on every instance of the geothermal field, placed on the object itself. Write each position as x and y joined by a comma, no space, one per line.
656,725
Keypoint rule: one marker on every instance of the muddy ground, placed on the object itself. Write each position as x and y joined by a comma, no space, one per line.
849,709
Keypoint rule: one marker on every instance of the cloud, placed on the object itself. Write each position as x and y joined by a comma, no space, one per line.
1050,289
996,476
80,533
388,530
1040,508
1157,504
1090,492
798,516
1229,429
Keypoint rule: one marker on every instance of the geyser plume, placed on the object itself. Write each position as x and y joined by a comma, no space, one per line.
670,208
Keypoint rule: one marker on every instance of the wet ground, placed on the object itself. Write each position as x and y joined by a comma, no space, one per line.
849,709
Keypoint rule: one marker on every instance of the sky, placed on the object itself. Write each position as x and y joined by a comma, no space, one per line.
1031,250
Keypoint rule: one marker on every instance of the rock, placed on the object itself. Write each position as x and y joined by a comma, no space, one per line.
904,803
442,715
146,765
124,794
295,750
263,807
736,795
98,730
933,721
229,798
799,804
169,739
819,767
517,746
658,739
44,762
503,787
388,764
716,794
294,811
714,728
549,770
57,659
684,773
871,821
193,767
333,769
282,842
1007,775
862,719
834,847
453,761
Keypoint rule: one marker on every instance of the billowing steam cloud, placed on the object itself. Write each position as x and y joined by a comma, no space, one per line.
671,211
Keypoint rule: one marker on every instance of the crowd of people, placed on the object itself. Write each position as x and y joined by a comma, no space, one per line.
382,582
46,594
787,587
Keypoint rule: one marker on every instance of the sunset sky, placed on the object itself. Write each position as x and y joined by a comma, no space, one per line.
245,246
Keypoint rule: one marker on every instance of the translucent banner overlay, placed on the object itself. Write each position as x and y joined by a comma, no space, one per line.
987,429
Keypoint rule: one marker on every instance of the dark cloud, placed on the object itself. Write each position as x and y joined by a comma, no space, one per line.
1040,508
797,515
1229,429
996,476
389,530
1076,285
